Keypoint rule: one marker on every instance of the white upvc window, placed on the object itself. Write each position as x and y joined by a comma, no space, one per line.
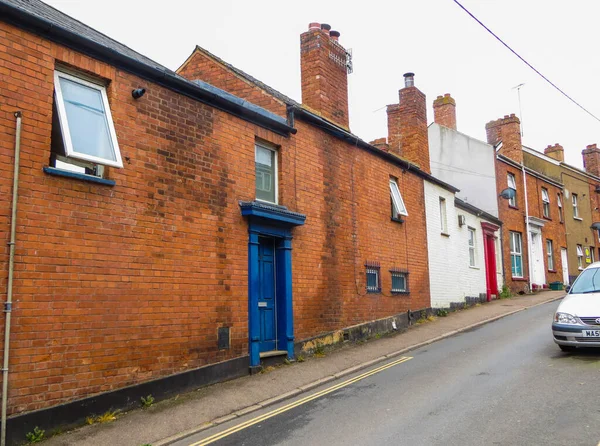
580,257
398,207
86,124
443,216
512,184
266,173
516,254
575,206
472,242
550,254
560,208
592,254
546,202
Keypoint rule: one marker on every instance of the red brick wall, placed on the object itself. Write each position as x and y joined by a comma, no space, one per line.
407,127
120,285
553,229
444,111
202,65
591,159
324,76
507,130
514,220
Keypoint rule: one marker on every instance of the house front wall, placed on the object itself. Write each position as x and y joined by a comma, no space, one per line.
454,282
119,285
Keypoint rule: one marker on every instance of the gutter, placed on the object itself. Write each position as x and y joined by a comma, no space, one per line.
11,268
161,76
344,135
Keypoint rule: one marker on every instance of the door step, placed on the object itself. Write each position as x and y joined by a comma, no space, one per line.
273,357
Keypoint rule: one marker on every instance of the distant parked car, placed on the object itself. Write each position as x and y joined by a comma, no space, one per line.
577,319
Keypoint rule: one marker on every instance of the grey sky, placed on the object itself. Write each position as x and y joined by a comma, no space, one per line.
447,50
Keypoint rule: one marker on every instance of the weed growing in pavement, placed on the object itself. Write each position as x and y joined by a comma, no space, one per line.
267,369
287,361
378,336
319,351
89,420
431,318
107,416
505,293
442,312
147,401
300,358
36,436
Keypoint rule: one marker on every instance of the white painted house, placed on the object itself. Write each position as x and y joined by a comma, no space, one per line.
463,233
457,234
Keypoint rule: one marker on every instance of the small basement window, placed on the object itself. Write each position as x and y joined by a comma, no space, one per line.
83,133
399,281
373,277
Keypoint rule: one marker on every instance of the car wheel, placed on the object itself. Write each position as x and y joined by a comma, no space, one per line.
567,348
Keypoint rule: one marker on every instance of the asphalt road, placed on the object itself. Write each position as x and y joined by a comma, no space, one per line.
505,383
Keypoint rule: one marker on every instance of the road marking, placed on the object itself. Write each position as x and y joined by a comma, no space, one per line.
301,401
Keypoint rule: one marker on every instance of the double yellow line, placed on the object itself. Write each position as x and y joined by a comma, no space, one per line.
239,427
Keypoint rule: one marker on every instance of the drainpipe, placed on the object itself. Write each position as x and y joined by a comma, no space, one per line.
527,228
11,267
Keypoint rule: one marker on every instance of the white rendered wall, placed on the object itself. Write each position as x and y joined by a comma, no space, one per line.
467,163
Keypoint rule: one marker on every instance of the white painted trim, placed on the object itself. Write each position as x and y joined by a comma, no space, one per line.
64,123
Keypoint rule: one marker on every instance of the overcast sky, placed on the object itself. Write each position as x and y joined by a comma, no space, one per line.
446,49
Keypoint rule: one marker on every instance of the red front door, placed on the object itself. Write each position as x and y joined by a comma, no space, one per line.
489,249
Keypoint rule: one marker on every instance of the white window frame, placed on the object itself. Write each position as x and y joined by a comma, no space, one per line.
592,254
580,257
397,201
472,247
575,202
443,216
275,171
560,211
545,202
64,123
512,184
550,254
513,237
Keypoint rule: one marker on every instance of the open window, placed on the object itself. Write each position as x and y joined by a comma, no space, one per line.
83,133
545,202
398,207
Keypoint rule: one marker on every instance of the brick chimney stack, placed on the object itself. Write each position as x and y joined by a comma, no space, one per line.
324,73
407,125
591,159
556,151
444,111
507,130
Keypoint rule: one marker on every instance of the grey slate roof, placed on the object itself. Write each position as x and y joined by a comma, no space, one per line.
54,16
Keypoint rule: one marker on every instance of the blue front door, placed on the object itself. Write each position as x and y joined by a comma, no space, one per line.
266,295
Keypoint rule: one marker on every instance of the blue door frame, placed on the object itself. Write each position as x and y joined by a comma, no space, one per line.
275,222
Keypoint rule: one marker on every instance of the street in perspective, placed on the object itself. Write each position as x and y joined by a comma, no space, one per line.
505,383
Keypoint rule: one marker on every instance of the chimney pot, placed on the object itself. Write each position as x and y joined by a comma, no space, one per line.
314,25
409,79
334,35
325,27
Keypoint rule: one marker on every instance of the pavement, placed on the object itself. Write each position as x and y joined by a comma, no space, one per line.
168,421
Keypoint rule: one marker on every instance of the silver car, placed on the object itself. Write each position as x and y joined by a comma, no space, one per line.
577,319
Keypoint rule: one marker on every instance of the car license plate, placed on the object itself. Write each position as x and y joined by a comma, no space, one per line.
591,333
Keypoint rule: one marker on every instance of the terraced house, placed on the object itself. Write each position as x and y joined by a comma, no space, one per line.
176,229
531,206
579,203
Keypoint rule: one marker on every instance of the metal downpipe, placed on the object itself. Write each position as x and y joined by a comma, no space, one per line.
11,265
